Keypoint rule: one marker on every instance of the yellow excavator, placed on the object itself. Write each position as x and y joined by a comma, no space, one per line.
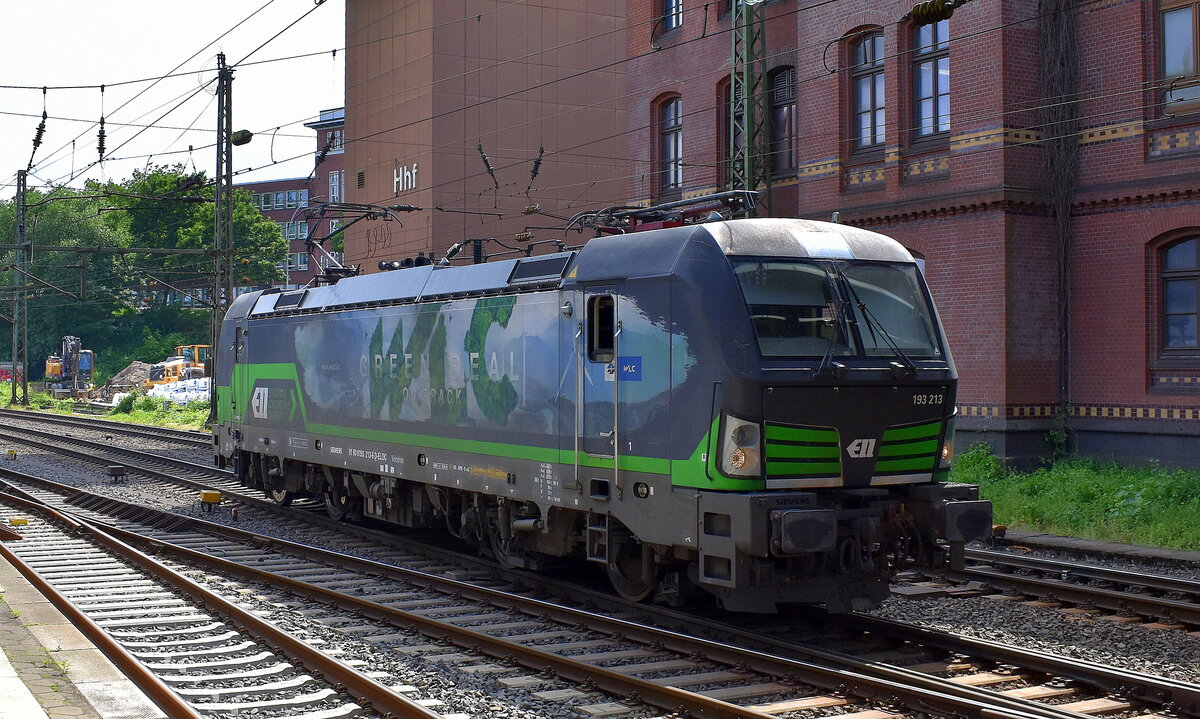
187,363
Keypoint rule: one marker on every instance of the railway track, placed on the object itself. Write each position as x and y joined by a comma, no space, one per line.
547,634
476,626
901,653
1174,602
1122,594
186,437
193,652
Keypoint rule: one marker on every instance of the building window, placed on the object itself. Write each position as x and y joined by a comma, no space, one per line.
304,198
292,198
670,143
931,78
280,199
867,81
335,186
334,258
337,140
1180,264
672,16
296,262
1178,27
783,120
297,230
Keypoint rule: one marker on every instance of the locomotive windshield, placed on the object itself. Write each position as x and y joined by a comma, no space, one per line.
817,308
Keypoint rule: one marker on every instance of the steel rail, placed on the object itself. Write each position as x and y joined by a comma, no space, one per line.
13,434
1111,599
1066,569
357,684
664,697
932,694
154,688
1183,696
1142,686
129,428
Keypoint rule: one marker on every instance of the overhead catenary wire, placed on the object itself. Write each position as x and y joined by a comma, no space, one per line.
627,59
634,130
153,81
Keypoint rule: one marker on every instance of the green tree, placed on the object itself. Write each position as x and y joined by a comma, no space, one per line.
160,207
258,245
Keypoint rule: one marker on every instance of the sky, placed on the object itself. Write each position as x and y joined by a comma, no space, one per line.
59,43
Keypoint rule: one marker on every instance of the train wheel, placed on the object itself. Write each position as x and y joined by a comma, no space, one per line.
281,496
632,570
337,505
506,552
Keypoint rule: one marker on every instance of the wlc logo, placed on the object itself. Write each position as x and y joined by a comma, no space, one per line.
861,448
258,402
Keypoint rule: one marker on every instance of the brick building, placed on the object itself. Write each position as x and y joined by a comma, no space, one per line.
1038,157
284,200
433,85
1012,140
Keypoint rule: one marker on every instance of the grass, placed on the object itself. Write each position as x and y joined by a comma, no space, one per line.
139,409
1146,505
135,409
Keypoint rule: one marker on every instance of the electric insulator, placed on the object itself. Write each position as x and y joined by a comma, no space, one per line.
100,140
41,130
537,164
523,236
931,11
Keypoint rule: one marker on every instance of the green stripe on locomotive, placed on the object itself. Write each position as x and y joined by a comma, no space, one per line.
696,471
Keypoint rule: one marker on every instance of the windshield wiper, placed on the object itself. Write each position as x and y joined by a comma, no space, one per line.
908,370
837,368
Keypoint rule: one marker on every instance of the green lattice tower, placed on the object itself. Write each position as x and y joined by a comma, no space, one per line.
749,168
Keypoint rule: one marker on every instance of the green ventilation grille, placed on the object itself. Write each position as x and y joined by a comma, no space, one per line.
802,452
906,450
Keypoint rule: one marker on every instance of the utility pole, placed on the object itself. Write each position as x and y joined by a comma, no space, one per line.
749,168
20,313
222,290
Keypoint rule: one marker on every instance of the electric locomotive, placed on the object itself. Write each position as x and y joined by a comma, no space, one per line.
759,409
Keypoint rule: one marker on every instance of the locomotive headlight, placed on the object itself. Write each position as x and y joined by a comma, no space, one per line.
743,458
946,457
740,448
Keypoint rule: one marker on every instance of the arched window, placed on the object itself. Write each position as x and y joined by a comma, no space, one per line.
670,143
783,120
866,72
931,78
1180,274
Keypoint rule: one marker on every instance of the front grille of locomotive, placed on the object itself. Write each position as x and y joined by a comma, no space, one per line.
802,452
910,449
813,454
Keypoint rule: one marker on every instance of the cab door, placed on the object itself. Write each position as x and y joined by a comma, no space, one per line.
598,390
239,394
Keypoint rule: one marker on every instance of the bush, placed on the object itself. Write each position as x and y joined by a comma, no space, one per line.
978,464
147,404
125,406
